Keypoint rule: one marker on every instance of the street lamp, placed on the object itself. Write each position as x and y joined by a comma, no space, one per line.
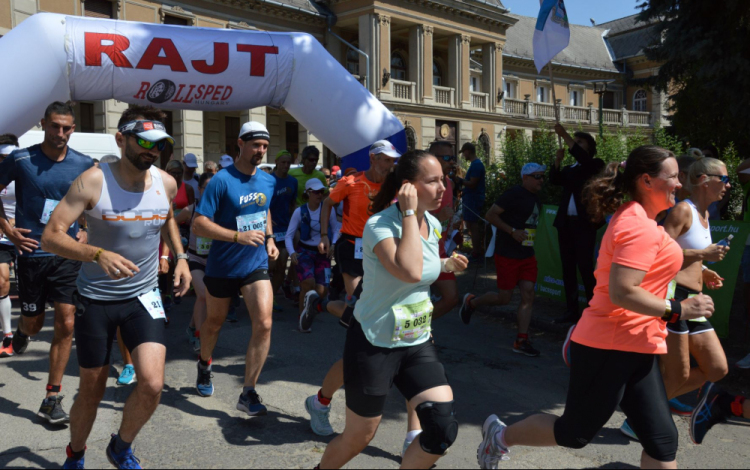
600,87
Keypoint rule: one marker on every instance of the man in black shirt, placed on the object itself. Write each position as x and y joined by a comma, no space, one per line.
515,215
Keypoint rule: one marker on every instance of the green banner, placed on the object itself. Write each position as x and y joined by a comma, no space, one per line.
550,283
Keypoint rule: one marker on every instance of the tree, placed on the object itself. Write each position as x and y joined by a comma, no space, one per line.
705,52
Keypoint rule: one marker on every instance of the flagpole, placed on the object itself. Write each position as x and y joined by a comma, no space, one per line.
554,101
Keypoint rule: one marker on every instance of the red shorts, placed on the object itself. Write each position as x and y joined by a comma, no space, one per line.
512,271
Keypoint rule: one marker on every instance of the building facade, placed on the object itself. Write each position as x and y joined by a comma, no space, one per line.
451,70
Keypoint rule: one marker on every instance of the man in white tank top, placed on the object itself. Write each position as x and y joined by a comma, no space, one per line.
128,208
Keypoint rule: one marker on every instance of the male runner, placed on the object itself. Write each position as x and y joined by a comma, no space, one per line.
43,174
282,207
128,206
308,171
8,145
189,173
238,200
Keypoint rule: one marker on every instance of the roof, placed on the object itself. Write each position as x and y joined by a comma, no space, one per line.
490,3
623,25
587,47
632,43
306,6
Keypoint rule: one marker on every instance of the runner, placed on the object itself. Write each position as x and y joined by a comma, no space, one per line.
238,200
282,206
127,205
210,167
355,192
515,215
8,145
189,174
616,344
473,199
43,174
389,339
313,266
310,159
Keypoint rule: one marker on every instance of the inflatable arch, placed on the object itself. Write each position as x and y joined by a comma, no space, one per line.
58,57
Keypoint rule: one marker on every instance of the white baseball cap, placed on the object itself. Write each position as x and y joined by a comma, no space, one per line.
385,147
226,161
190,160
254,130
315,184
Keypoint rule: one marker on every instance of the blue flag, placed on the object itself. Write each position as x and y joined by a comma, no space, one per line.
552,33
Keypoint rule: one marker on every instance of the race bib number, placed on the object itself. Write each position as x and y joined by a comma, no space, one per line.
531,238
49,208
203,245
359,252
152,303
279,236
412,321
252,222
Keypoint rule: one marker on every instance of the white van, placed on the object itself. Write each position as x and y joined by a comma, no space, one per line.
94,145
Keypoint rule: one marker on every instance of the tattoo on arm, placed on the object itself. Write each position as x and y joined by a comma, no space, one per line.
79,184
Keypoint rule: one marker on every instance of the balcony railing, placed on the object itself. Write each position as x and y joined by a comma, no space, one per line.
480,100
639,118
576,114
517,107
445,96
404,91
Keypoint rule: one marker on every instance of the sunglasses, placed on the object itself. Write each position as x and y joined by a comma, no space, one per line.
537,177
148,145
318,192
724,178
447,158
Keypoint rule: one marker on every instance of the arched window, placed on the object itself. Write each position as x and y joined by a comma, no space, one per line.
437,75
484,144
398,67
352,61
639,100
411,138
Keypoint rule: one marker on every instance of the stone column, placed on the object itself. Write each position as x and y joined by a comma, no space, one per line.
492,73
459,72
420,62
375,40
188,134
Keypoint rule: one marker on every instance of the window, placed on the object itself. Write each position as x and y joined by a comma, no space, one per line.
437,75
352,61
411,138
576,98
511,89
85,121
484,144
98,9
231,131
475,85
169,19
640,100
166,154
398,67
542,94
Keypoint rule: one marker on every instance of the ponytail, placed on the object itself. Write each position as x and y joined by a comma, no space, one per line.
407,169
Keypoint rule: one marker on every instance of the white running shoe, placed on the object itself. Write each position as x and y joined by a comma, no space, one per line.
745,363
319,419
489,453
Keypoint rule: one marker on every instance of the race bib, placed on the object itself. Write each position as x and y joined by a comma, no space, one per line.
49,207
279,236
252,222
203,245
530,238
152,303
672,291
412,321
358,250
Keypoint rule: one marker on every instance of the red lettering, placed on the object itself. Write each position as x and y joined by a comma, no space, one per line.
209,90
171,58
217,94
257,57
227,93
188,98
177,97
199,92
221,60
94,49
141,95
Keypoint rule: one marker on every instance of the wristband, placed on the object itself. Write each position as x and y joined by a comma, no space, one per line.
269,237
236,236
165,257
673,311
444,266
183,256
97,255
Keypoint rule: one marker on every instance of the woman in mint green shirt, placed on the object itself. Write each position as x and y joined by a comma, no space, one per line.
389,342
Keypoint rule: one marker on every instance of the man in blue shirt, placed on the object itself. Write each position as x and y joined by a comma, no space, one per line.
282,206
473,199
43,174
238,200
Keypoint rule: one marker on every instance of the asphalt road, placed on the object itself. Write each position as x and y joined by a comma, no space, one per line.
188,431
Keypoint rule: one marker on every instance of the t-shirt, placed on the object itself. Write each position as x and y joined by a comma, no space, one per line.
356,191
383,294
230,195
194,183
476,170
296,223
8,197
302,180
634,241
40,185
281,206
521,211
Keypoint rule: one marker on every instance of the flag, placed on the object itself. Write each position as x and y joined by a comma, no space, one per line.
552,33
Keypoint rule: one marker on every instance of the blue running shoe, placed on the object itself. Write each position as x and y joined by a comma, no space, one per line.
252,404
706,414
125,460
566,346
628,431
319,419
72,463
679,408
128,376
203,384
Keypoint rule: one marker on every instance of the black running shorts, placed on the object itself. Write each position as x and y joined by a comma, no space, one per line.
688,327
7,254
97,323
371,371
344,251
224,288
45,279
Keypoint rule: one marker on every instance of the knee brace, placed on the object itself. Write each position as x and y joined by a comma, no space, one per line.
440,426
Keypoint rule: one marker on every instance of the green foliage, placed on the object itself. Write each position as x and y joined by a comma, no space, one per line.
732,159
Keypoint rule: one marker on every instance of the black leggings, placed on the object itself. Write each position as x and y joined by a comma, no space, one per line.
600,380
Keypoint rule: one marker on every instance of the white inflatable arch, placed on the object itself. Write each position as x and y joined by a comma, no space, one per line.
57,57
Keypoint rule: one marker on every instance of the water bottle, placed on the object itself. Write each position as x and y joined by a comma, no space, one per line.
724,242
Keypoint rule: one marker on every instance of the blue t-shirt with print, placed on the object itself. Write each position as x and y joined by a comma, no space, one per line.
476,170
238,202
40,185
281,207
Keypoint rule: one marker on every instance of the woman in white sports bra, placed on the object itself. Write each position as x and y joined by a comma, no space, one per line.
688,224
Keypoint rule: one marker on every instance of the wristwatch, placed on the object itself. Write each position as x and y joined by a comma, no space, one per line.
183,256
408,213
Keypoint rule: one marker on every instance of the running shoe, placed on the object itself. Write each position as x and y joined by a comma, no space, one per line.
319,419
566,346
745,363
252,404
466,310
20,344
53,411
628,431
490,453
679,408
125,459
128,375
7,348
196,344
203,384
72,464
524,347
309,311
706,414
232,315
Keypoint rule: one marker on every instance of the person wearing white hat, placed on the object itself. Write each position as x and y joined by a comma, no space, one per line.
189,174
226,161
515,215
235,213
8,145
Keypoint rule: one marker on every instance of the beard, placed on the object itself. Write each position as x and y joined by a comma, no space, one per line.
141,161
